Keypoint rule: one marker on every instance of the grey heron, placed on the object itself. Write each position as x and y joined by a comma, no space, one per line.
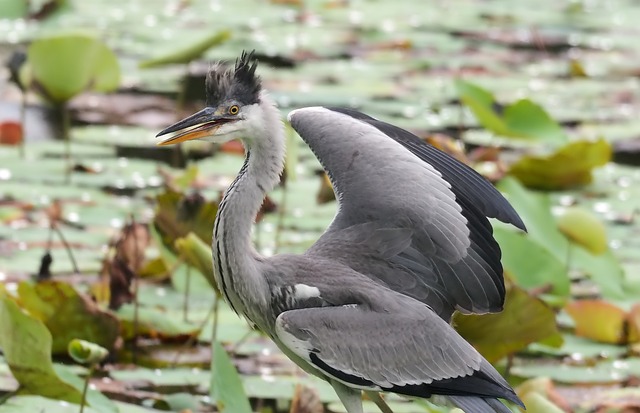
368,306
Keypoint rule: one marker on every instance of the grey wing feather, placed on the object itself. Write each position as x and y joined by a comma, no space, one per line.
444,254
385,349
407,350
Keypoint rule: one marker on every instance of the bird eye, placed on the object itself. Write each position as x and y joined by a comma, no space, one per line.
233,110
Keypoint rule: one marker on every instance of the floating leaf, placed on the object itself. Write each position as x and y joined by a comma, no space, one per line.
583,228
65,65
598,320
190,52
226,385
85,352
522,119
531,264
26,345
153,322
523,321
68,314
610,371
198,255
568,167
535,210
38,404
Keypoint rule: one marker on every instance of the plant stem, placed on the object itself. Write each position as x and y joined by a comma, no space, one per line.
55,227
66,129
86,387
185,305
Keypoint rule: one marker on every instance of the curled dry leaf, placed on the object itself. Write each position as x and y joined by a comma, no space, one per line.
126,259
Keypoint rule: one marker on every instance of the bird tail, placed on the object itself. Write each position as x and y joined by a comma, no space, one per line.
473,404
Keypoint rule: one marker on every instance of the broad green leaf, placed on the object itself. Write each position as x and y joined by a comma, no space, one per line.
482,104
226,385
525,118
85,352
521,119
68,314
189,52
198,255
531,264
535,210
568,167
523,321
65,65
26,345
599,320
583,228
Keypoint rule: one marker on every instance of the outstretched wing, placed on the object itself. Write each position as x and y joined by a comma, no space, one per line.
411,351
410,216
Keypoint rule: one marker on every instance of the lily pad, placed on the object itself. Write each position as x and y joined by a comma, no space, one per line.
530,264
599,320
583,228
568,167
523,321
64,65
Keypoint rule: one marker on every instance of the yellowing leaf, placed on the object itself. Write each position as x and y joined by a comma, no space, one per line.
598,320
583,228
68,314
568,167
523,321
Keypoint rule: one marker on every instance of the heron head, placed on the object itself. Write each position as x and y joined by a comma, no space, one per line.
233,97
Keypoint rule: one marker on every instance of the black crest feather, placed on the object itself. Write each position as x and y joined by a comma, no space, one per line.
240,82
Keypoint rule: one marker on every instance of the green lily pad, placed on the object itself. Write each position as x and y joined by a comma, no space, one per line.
65,65
530,264
613,371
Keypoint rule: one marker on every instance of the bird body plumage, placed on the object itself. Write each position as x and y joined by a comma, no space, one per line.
368,306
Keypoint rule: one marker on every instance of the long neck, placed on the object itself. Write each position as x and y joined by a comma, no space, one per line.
235,259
